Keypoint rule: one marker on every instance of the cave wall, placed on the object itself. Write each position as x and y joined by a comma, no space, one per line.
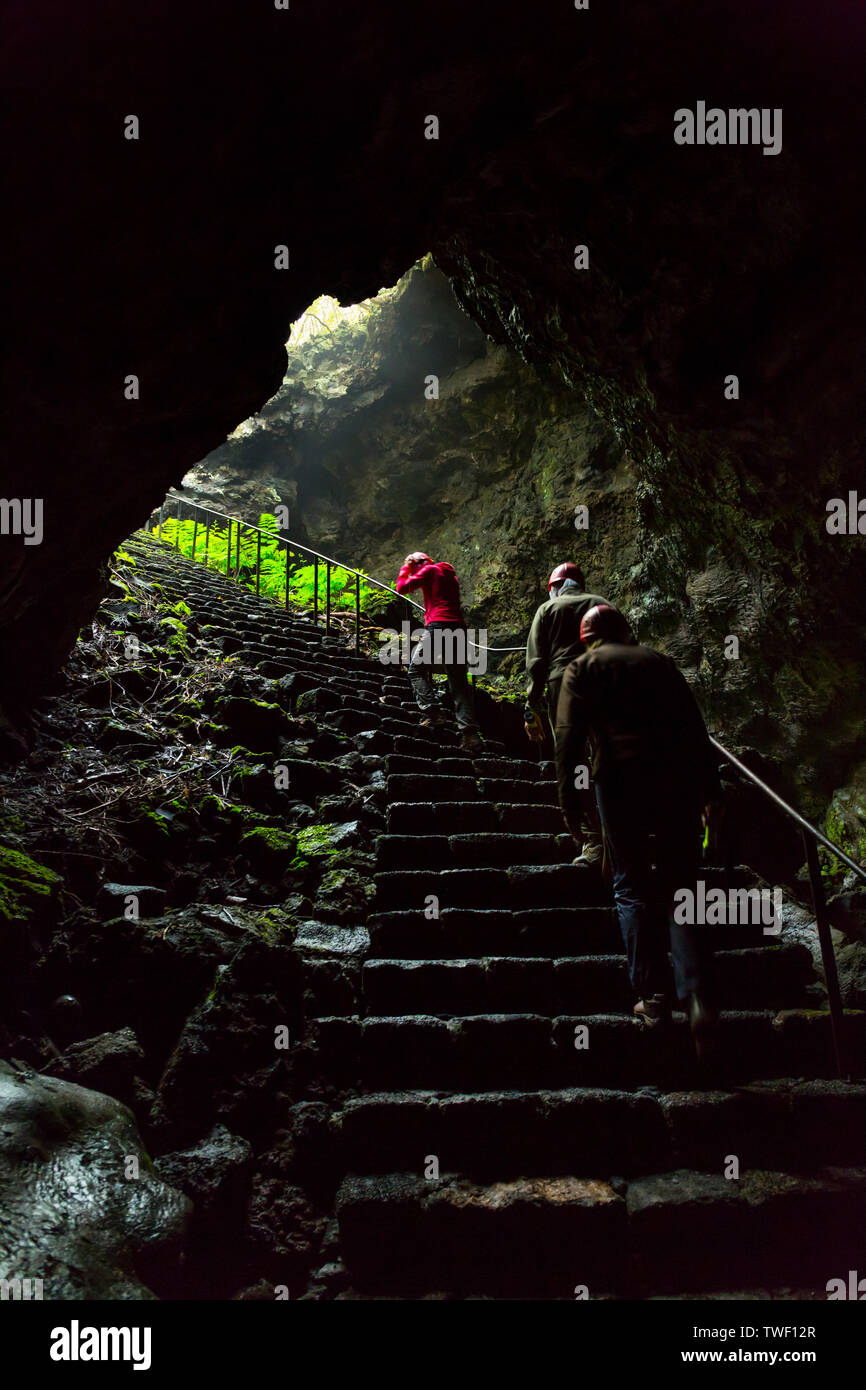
305,127
486,474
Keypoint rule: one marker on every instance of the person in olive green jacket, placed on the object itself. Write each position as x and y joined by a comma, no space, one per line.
554,642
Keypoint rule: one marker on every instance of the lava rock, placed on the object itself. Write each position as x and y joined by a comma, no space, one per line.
81,1206
108,1062
331,939
256,724
112,899
212,1173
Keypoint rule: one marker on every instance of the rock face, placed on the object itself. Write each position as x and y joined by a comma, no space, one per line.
81,1208
487,471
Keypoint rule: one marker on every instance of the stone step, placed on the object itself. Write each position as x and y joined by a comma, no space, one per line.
471,851
521,886
443,737
582,1131
548,1237
530,885
518,789
431,818
484,764
485,931
597,984
521,819
489,1051
431,785
553,931
423,744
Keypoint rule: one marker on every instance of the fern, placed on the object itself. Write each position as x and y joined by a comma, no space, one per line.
241,564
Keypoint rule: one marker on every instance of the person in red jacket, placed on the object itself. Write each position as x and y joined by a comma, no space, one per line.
444,646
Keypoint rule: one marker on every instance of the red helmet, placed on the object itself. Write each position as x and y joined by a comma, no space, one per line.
606,624
568,570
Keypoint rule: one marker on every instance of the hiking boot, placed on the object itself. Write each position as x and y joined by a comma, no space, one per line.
434,720
653,1012
471,742
704,1025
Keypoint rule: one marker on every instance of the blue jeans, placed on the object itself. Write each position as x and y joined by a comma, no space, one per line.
634,805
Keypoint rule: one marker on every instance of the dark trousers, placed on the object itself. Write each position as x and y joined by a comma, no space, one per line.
653,843
425,659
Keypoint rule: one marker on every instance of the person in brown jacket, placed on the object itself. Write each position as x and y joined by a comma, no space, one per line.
654,772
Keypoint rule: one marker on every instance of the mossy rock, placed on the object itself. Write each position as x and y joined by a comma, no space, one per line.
845,825
268,850
254,784
277,926
325,841
344,896
256,724
26,887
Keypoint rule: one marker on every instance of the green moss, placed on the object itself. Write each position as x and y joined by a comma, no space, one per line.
22,881
157,819
269,849
10,824
276,926
315,841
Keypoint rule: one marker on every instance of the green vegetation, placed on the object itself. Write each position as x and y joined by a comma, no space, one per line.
277,926
177,638
843,829
511,687
268,849
21,881
316,840
272,581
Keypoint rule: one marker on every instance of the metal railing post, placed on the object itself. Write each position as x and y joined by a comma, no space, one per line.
177,537
194,532
287,576
357,614
228,545
328,596
238,552
161,514
207,540
828,956
316,591
258,562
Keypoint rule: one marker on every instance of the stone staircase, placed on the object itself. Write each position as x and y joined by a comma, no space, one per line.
502,1126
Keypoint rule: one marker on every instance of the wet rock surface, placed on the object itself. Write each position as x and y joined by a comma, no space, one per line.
81,1206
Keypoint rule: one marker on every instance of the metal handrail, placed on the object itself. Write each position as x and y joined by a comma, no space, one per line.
296,545
810,835
795,815
317,554
291,546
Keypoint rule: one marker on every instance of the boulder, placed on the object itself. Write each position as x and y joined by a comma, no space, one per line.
108,1062
81,1206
